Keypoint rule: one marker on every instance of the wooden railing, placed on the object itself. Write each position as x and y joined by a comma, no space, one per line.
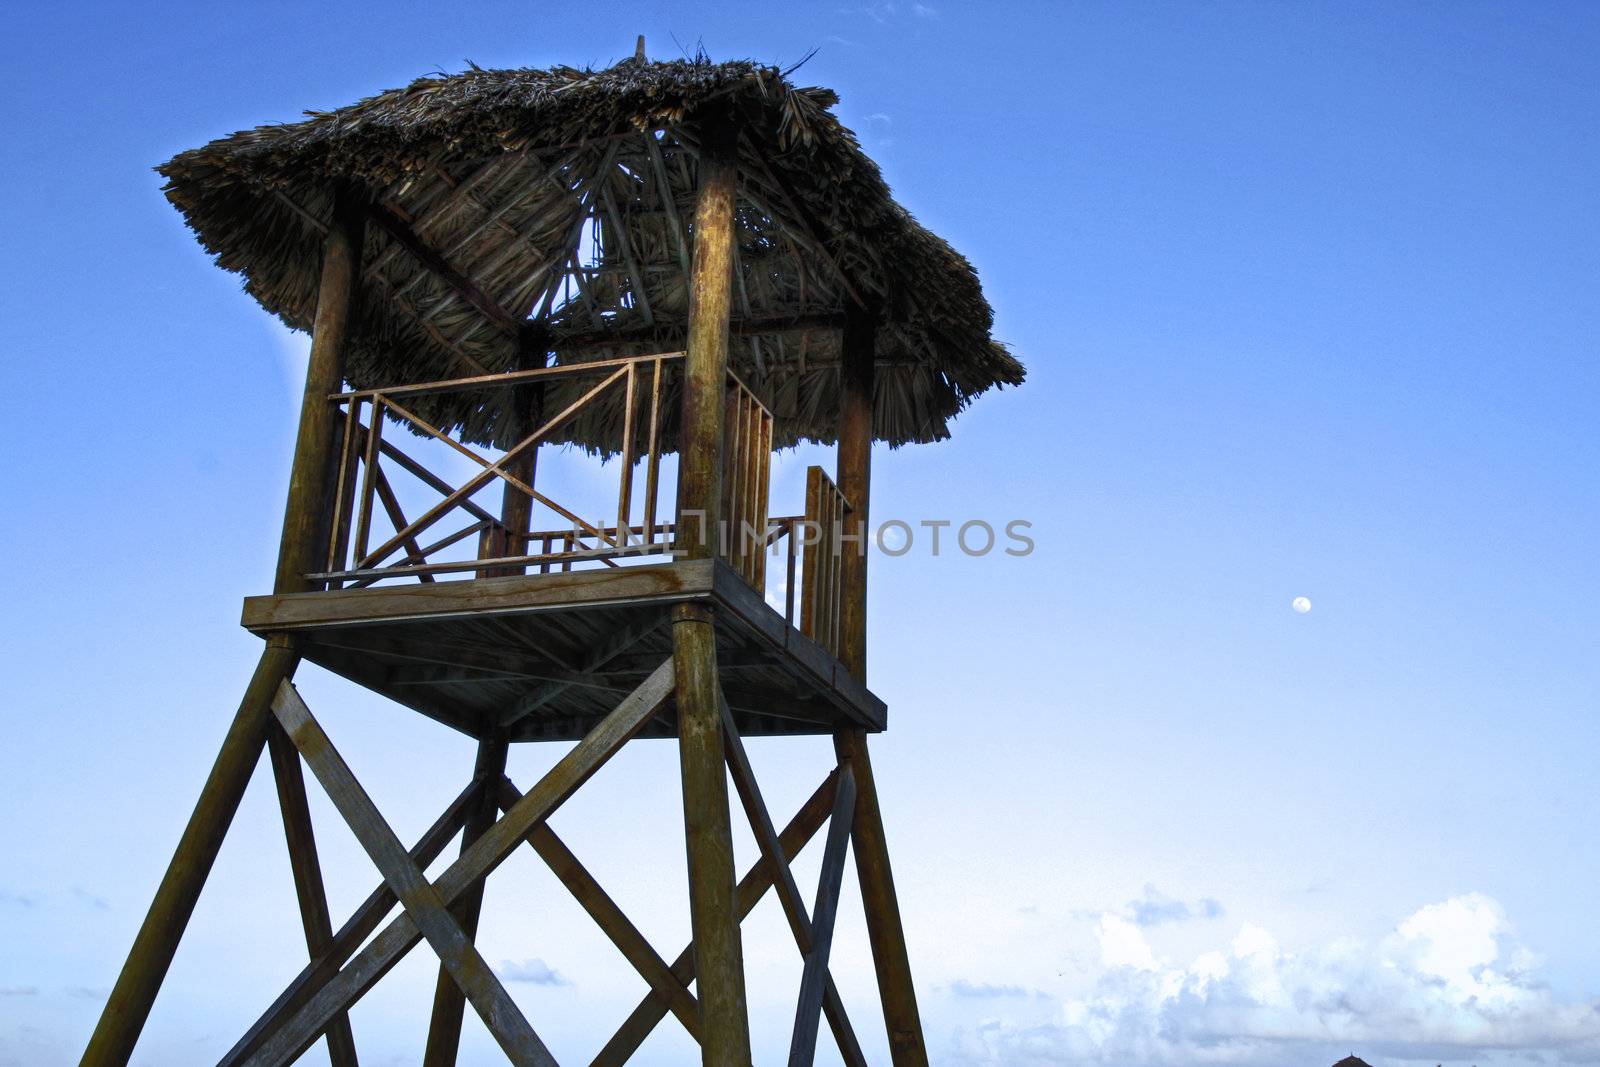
824,546
746,472
414,547
368,457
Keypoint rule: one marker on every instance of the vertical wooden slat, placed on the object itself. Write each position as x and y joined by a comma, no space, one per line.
793,556
625,489
652,472
369,477
344,487
763,489
810,586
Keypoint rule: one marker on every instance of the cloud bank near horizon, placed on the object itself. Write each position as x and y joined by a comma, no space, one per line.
1450,982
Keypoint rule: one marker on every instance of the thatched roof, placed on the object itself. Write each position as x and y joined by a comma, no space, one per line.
566,197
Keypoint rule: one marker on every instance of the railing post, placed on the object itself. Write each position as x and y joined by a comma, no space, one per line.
725,1033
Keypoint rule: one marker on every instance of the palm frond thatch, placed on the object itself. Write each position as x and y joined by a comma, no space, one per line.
567,197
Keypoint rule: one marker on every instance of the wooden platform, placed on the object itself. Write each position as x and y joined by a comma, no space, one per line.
546,655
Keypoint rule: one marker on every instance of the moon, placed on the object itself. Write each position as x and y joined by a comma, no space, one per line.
1301,604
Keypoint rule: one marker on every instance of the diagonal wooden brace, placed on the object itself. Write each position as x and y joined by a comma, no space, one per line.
421,900
752,887
744,782
307,870
355,930
803,1045
396,939
610,918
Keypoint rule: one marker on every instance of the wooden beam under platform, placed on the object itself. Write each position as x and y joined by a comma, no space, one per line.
542,656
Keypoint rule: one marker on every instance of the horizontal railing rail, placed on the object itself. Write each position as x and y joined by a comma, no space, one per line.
363,485
358,555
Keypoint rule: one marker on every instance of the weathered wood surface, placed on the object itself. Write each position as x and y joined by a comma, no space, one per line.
725,1028
355,930
423,904
885,932
310,476
706,361
487,596
814,978
496,843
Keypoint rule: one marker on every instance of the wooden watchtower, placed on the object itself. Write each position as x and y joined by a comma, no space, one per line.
681,266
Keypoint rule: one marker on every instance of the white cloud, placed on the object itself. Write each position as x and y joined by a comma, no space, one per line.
1122,944
533,971
1448,983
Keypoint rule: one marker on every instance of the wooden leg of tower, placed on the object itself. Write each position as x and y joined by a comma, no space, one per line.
713,910
303,861
888,939
135,991
444,1032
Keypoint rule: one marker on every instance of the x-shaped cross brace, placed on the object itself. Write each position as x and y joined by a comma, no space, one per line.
323,992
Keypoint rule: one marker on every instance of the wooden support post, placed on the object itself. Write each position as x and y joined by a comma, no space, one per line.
725,1031
714,918
421,899
308,887
444,1030
310,478
884,929
856,370
135,991
706,360
526,403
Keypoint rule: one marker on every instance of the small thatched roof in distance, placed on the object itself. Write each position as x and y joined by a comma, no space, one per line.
566,198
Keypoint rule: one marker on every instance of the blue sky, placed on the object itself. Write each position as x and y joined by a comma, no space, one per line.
1307,294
